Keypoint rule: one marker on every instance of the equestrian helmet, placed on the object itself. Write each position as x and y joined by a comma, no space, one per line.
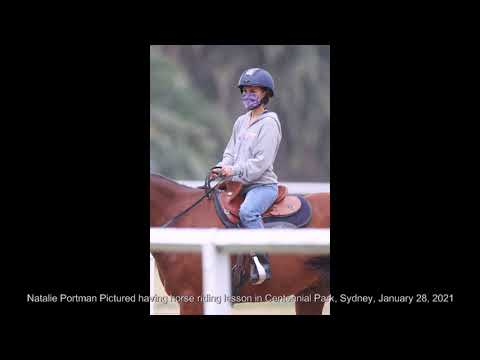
257,77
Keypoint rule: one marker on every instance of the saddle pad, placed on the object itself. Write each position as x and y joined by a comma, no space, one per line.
301,218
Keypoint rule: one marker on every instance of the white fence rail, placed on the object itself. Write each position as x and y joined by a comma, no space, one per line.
216,245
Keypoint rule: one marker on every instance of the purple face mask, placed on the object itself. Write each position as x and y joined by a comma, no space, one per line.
250,100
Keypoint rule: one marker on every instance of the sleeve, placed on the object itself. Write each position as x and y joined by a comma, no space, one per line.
264,154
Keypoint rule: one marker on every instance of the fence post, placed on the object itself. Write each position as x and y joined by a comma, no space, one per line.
216,280
152,283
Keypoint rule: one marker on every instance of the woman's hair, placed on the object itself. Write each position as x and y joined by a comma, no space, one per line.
266,97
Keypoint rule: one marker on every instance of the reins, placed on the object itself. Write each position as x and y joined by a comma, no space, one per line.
208,191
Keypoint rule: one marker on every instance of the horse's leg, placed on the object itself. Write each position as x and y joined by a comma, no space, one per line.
316,297
188,303
191,308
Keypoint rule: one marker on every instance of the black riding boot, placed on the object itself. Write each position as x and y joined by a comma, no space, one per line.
260,263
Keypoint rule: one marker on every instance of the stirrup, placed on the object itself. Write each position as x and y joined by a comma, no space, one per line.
259,272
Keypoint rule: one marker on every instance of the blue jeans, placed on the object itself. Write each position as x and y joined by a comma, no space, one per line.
259,198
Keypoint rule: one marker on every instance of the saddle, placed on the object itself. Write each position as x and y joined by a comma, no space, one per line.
291,211
231,199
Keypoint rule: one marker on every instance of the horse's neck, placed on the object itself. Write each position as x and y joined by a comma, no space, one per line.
163,195
163,189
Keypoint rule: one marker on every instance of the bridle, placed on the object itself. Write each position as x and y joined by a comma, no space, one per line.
208,191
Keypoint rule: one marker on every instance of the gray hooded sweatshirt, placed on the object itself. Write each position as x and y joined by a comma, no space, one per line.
252,149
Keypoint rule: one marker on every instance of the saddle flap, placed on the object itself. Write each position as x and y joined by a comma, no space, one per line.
231,199
233,189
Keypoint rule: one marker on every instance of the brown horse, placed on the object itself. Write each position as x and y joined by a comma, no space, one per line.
307,277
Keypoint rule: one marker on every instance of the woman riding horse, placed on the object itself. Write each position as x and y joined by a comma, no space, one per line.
248,159
250,155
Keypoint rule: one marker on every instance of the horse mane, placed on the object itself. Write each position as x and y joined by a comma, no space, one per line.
170,180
